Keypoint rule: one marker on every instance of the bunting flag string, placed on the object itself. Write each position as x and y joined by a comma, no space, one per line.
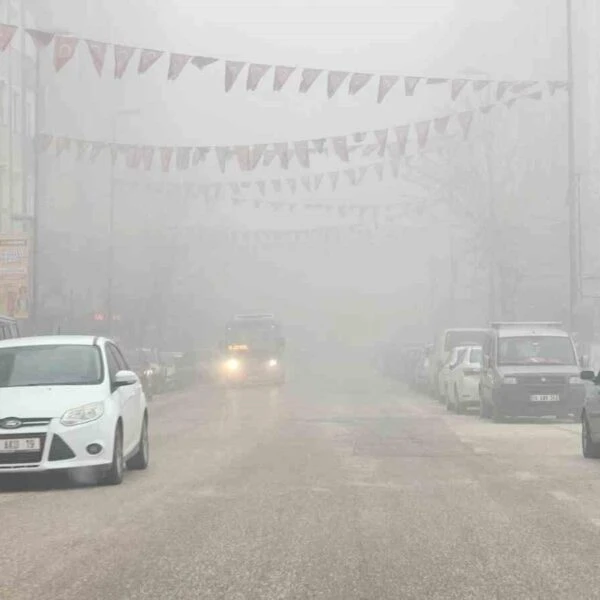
65,47
393,141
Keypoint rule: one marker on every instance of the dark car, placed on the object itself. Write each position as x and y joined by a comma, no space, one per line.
530,370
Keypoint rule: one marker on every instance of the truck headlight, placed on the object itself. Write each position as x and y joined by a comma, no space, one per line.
509,381
82,414
273,363
233,364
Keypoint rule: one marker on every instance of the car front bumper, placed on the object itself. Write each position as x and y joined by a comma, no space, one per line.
61,447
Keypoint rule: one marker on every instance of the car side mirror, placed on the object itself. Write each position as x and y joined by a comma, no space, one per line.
588,376
125,378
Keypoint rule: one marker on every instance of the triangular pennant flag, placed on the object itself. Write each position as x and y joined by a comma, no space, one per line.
395,168
302,153
41,39
379,170
457,86
255,75
258,203
436,80
410,84
133,157
318,179
362,172
256,153
293,185
199,155
487,108
382,136
535,95
522,86
351,174
123,56
386,83
465,119
358,81
481,84
7,33
262,187
64,50
200,62
243,157
334,81
319,145
402,133
147,157
97,148
62,144
98,54
269,156
223,154
309,76
369,149
340,145
511,102
177,63
423,132
282,74
276,183
306,182
503,87
237,201
235,187
166,154
232,72
359,137
114,152
148,58
82,148
334,177
43,142
281,149
441,125
554,86
183,157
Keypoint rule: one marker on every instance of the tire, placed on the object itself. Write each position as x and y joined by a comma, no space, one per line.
457,407
139,461
589,448
114,475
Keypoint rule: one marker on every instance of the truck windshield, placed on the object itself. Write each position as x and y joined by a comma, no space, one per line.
531,350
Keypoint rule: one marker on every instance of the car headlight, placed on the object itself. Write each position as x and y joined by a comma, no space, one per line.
233,364
273,362
575,380
509,381
82,414
148,373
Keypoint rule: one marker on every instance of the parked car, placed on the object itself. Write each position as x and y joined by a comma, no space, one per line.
463,382
444,378
530,370
444,344
70,403
139,364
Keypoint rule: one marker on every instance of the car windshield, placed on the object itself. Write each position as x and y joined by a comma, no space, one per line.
50,365
255,335
531,350
463,338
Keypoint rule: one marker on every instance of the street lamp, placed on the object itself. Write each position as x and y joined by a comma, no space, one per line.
111,221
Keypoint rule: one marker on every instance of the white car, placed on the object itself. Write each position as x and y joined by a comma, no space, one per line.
70,403
444,377
464,379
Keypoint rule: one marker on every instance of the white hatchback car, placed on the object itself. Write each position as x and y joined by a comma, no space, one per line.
70,403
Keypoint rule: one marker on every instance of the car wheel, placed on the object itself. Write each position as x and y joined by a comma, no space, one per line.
114,476
589,448
141,458
457,407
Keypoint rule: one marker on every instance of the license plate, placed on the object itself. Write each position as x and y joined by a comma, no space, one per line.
20,445
545,398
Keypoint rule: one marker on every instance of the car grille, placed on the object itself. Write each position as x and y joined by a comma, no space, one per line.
544,380
22,458
59,450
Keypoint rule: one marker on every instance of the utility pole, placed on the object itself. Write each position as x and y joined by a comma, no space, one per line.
572,199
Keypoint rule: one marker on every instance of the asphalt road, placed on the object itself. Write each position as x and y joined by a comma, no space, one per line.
345,487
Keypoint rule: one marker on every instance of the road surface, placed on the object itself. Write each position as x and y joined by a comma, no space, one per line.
345,487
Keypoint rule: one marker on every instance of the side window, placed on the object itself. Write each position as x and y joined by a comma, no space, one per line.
123,365
113,365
